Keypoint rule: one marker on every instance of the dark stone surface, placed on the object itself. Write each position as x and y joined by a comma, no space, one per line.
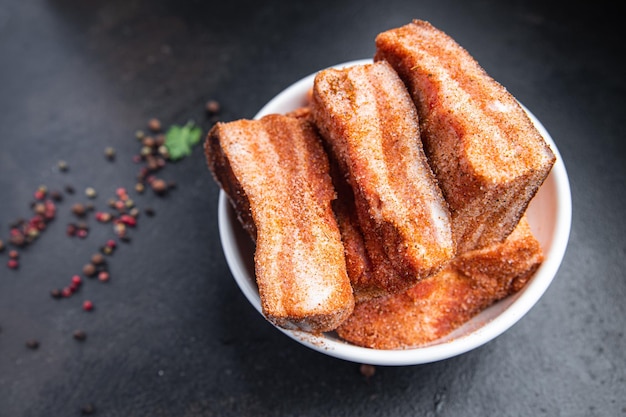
171,335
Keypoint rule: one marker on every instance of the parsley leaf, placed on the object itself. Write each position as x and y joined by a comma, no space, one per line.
180,139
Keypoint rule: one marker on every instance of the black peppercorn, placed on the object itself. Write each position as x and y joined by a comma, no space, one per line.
80,335
32,344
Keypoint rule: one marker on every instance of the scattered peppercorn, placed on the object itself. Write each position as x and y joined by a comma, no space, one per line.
109,153
145,151
212,107
139,134
71,229
149,211
148,142
154,125
97,259
17,238
13,264
103,217
151,163
90,192
89,270
159,186
87,305
63,167
13,254
39,208
164,152
128,220
367,371
56,196
79,209
39,194
56,293
119,228
1,246
122,193
80,335
103,276
69,189
32,344
74,286
87,409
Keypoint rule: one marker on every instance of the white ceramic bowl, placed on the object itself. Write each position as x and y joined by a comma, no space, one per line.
549,216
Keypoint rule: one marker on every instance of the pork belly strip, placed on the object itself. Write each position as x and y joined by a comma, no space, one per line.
369,269
437,305
484,150
276,169
369,122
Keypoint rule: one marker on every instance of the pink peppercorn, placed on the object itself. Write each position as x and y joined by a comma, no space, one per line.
77,280
120,191
40,195
87,305
103,276
71,229
128,220
13,263
103,216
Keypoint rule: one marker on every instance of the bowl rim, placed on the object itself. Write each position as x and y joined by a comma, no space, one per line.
523,301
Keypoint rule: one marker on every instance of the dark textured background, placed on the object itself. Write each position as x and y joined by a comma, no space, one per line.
171,334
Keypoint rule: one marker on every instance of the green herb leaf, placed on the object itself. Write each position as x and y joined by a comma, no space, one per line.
180,139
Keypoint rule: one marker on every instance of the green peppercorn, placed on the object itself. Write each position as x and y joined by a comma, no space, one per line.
109,152
90,192
145,151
